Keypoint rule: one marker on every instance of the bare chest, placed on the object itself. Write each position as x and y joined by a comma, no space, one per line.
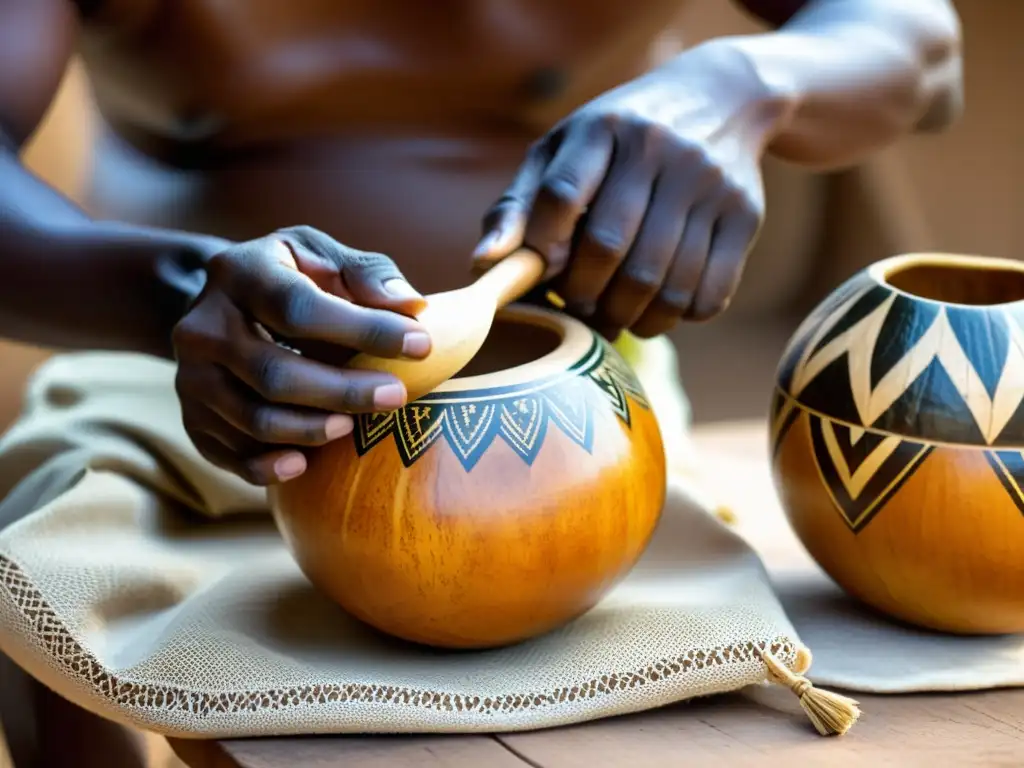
194,69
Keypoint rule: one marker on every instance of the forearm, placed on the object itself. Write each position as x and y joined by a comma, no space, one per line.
69,282
855,76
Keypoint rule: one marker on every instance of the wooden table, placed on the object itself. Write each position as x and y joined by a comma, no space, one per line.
761,728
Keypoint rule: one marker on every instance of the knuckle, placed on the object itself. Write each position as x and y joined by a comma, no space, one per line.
221,265
234,259
735,196
561,189
314,435
538,150
303,235
657,136
299,230
271,377
607,243
674,300
709,308
710,302
367,262
253,472
186,333
190,337
509,202
711,173
698,162
740,199
295,308
608,120
642,279
352,397
685,149
222,259
557,255
506,205
374,337
316,242
261,423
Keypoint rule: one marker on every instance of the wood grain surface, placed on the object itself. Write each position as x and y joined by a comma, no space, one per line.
735,730
756,728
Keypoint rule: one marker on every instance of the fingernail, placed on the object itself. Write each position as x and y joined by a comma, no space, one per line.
416,344
389,396
400,289
292,465
485,246
338,425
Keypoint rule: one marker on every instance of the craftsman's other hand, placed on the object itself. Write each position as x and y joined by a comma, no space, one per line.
252,406
646,201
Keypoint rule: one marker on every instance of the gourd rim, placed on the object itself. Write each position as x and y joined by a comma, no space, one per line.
575,340
881,272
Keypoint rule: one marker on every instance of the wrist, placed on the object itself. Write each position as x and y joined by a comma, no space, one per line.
762,99
155,275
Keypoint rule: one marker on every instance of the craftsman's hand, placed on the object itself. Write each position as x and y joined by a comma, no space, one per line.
645,201
251,405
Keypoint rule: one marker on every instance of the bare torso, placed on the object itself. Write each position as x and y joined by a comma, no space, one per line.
390,124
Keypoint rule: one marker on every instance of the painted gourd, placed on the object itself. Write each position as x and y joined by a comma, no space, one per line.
897,439
500,506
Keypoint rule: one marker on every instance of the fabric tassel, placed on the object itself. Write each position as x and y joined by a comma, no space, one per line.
831,713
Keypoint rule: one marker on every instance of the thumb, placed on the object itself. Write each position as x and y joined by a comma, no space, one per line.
504,228
368,278
505,223
374,280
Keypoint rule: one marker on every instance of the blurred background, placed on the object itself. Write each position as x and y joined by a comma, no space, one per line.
961,192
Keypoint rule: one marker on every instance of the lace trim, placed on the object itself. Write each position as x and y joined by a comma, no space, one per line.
79,663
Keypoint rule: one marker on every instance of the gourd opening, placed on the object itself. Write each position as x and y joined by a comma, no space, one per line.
962,282
511,344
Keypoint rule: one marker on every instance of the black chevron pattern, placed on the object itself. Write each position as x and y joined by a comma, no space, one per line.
917,368
519,415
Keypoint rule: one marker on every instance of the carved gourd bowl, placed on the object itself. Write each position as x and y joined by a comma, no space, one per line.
898,440
500,506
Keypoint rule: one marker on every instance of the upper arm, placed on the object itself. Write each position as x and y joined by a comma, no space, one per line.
36,41
932,28
936,19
